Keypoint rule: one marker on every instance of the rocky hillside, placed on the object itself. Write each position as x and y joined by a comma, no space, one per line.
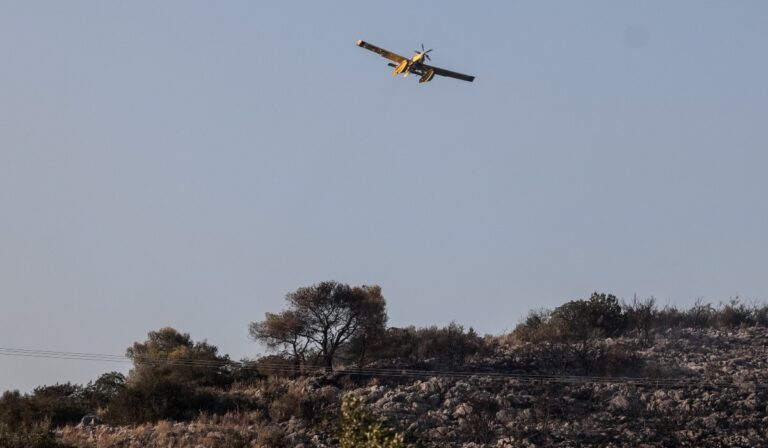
687,387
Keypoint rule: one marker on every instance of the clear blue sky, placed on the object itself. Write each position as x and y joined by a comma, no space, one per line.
186,163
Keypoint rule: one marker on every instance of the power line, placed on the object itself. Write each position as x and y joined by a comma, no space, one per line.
377,372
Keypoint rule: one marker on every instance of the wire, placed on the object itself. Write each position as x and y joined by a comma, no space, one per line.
380,372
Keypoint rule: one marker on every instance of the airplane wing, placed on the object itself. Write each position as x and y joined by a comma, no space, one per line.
448,73
384,53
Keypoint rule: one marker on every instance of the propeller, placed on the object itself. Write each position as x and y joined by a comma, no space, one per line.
424,52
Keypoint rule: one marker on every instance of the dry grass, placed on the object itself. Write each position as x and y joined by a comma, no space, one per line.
232,430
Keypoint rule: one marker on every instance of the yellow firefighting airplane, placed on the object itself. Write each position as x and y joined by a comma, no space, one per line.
414,65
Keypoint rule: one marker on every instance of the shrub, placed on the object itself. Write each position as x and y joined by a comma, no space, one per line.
276,366
161,399
641,316
700,315
284,407
359,429
761,315
247,372
535,327
15,409
619,359
284,399
37,436
172,355
271,437
233,439
574,322
150,401
478,424
449,345
105,388
669,317
599,316
173,378
734,314
59,405
704,315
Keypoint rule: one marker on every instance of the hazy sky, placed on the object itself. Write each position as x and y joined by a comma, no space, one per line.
187,163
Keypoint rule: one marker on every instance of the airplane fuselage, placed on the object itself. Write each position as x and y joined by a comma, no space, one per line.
407,64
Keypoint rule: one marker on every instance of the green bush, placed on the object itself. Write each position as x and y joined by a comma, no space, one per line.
173,378
359,429
172,355
576,321
599,316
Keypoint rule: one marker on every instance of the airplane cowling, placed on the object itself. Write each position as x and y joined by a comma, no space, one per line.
400,68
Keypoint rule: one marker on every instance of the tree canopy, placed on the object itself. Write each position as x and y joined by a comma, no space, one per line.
322,319
174,356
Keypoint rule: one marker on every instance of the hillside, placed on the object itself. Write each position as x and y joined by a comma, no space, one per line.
690,387
592,372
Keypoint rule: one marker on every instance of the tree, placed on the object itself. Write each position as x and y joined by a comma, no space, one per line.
173,356
106,387
283,332
171,379
371,335
322,319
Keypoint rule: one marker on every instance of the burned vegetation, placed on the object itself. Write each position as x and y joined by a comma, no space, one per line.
591,372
